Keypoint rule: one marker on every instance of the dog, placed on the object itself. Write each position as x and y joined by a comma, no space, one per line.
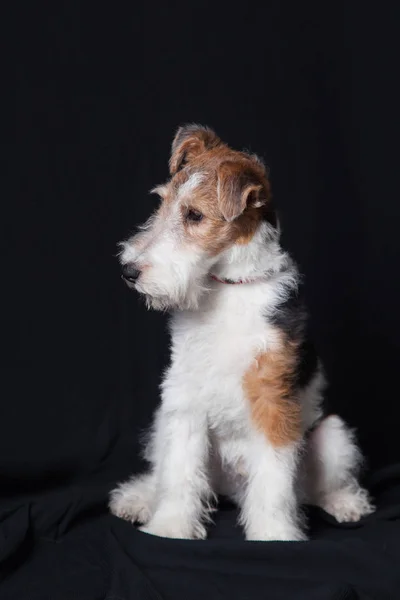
242,412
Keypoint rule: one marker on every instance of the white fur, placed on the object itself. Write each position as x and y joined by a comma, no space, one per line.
133,500
203,440
332,464
171,278
188,187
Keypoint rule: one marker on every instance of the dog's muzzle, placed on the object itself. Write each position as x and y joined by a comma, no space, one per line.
130,273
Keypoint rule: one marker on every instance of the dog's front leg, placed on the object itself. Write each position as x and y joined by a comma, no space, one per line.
269,505
182,479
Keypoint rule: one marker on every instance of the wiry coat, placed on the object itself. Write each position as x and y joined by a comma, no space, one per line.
242,400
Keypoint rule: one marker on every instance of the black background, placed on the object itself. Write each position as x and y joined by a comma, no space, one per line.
101,88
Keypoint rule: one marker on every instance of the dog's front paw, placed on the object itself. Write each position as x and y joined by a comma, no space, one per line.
174,527
132,501
276,532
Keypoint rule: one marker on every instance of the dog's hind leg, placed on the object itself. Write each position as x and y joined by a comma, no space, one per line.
332,462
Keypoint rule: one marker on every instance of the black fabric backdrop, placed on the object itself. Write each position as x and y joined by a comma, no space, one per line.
101,88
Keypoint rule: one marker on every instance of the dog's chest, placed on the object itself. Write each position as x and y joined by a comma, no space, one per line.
213,348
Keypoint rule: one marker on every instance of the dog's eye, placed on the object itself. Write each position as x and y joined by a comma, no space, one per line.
194,215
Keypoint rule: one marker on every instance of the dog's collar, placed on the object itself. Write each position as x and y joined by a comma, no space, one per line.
233,281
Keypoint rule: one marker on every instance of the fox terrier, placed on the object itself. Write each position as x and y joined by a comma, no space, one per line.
242,400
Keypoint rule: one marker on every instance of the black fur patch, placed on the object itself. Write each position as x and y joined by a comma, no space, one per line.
308,363
291,317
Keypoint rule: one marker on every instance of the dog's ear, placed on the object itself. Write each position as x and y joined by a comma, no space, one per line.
190,141
239,187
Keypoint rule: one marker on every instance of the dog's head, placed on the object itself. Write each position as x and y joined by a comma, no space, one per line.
215,199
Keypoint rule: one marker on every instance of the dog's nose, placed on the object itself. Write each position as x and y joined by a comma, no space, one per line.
130,273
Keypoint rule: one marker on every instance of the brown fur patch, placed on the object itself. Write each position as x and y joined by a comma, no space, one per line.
269,385
238,188
215,234
231,177
189,142
233,195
